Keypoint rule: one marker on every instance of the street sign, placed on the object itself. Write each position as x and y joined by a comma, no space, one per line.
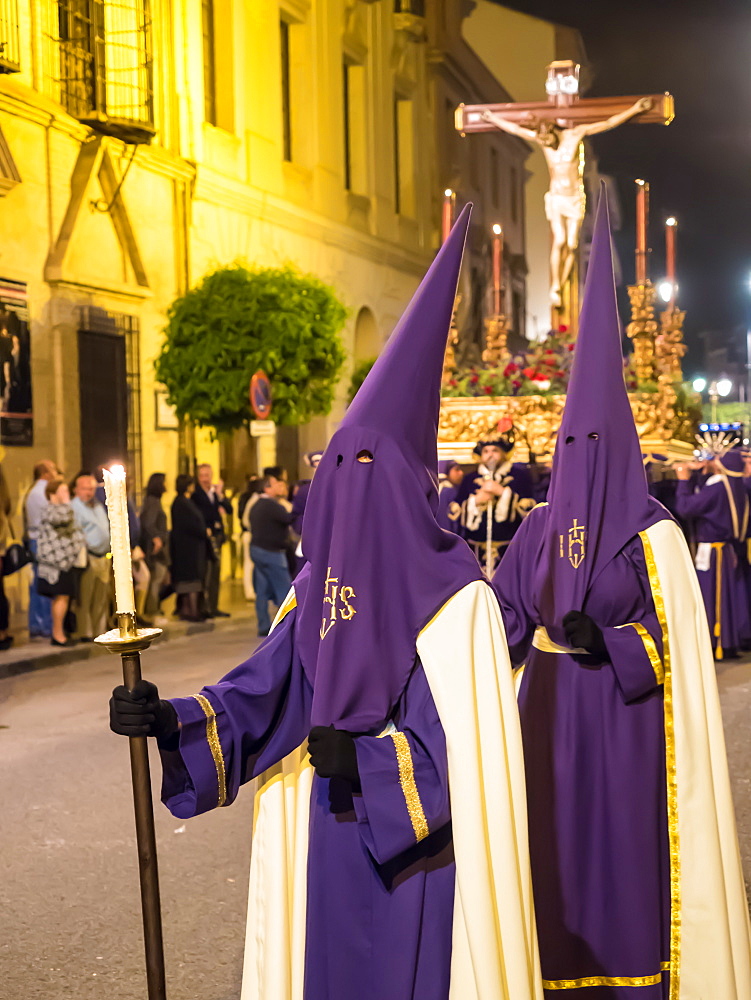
262,428
260,395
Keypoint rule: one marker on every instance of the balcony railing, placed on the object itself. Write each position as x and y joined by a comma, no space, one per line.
10,53
102,65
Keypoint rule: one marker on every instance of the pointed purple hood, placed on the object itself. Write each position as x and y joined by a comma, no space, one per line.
598,498
379,566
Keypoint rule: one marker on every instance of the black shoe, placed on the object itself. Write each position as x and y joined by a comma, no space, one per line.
7,642
68,642
221,614
83,638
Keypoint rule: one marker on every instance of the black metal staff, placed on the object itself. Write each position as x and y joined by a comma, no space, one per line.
128,641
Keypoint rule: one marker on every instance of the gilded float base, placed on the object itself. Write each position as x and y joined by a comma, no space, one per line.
664,425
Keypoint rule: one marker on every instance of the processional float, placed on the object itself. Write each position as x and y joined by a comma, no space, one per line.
666,414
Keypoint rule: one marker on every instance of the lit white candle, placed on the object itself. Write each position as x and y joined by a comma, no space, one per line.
117,509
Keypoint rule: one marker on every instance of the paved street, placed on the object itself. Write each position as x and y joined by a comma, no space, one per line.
70,924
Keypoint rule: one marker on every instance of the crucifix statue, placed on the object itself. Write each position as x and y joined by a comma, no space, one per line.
559,127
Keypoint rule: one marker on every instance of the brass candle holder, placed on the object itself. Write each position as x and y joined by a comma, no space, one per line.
128,640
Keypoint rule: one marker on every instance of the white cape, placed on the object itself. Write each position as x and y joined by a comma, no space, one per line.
494,948
710,939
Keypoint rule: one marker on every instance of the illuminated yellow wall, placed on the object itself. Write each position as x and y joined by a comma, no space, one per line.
202,195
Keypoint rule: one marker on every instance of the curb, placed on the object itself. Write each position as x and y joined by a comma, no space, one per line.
29,660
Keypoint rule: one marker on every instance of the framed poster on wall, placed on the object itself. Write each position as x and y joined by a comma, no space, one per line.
16,413
165,416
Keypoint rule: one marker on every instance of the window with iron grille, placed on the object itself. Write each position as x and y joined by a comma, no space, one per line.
110,390
414,7
10,54
102,65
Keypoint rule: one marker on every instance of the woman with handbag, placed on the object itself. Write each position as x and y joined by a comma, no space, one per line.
59,543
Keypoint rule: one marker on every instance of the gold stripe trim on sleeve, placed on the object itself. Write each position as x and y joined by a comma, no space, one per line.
578,984
650,647
212,737
409,787
670,771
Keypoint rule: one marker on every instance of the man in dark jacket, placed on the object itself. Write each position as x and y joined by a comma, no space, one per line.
210,499
269,537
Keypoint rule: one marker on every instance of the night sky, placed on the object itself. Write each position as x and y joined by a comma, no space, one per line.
699,167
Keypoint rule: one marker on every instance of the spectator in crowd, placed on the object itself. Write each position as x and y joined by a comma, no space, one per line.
244,507
293,538
155,543
269,528
189,547
40,607
60,541
210,499
5,507
92,609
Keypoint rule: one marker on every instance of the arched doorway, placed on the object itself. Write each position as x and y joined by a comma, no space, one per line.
367,340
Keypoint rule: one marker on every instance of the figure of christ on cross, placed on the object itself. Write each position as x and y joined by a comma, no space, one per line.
565,201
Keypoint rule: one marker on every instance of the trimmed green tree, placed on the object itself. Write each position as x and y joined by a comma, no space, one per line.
238,320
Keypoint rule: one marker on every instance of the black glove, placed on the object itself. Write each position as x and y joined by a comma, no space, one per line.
583,633
332,754
141,712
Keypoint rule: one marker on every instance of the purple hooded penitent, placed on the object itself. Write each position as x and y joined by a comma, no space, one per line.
593,727
380,872
377,559
598,497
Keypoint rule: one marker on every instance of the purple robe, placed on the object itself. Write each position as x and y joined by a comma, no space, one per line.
594,754
720,567
380,905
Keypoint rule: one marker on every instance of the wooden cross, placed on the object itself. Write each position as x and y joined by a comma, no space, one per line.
559,126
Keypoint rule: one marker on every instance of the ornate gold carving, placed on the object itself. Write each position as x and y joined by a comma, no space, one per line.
496,336
449,358
663,421
643,330
669,347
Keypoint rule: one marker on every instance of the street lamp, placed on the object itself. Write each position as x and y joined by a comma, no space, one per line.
699,384
666,289
724,387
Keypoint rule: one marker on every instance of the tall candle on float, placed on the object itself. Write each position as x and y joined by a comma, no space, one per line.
447,217
497,269
642,216
117,509
671,225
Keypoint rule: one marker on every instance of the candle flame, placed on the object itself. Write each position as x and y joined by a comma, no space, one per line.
117,471
640,182
497,229
672,221
448,193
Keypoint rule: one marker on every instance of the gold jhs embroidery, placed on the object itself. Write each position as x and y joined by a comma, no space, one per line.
577,534
339,600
